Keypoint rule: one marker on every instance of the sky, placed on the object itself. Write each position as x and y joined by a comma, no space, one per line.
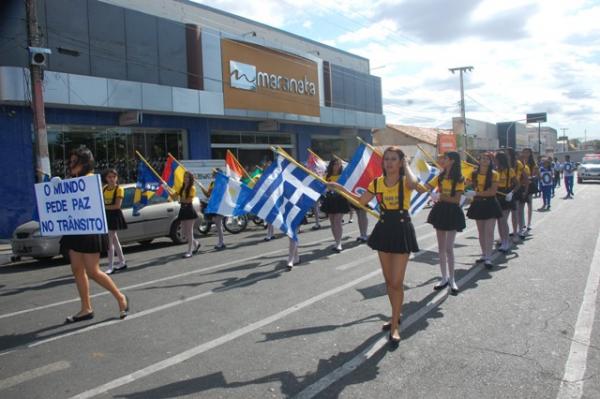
527,55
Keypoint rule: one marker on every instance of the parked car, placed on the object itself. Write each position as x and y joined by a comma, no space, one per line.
589,169
157,219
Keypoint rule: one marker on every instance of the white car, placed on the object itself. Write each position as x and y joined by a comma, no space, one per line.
589,169
157,219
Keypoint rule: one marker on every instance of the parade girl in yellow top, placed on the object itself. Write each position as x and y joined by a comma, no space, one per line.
393,236
187,214
113,198
446,216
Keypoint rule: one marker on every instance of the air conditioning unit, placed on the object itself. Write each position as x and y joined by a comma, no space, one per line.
39,55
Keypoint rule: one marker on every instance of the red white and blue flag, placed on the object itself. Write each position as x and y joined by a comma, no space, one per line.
364,166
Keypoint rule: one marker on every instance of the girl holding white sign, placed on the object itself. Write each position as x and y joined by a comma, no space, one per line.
84,252
113,198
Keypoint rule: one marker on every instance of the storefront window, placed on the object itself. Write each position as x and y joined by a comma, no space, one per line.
327,147
251,148
114,147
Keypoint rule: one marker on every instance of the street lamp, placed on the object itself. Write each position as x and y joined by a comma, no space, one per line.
462,102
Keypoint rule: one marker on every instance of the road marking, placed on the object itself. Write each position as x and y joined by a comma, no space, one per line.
159,280
153,310
183,356
348,367
32,374
571,386
163,279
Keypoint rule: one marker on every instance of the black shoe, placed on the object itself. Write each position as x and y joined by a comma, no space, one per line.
386,326
480,260
76,318
123,313
120,268
268,238
197,249
394,342
220,247
488,264
454,291
315,227
439,286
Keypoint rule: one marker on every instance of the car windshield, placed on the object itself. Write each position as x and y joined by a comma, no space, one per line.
591,161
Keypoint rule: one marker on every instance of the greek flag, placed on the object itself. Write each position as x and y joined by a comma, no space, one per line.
283,195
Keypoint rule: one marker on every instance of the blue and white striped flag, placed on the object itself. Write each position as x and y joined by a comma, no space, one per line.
424,173
283,195
228,196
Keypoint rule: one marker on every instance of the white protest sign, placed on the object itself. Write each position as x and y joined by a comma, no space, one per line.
71,206
202,169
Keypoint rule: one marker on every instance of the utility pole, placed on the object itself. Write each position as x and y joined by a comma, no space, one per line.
462,104
37,96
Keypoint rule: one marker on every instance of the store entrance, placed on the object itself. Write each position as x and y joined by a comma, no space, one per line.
250,148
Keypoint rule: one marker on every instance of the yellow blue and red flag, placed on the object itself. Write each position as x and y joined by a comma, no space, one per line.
172,175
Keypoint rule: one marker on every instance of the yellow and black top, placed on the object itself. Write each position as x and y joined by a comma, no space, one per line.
111,194
446,188
192,194
505,178
388,197
332,178
480,186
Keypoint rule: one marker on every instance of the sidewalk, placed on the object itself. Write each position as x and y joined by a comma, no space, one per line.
5,252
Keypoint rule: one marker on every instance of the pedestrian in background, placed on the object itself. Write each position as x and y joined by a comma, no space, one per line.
446,216
485,209
113,199
84,251
334,204
546,177
568,171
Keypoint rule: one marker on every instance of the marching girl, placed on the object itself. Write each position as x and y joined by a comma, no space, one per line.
187,213
334,204
113,198
506,183
529,161
363,225
485,208
393,237
84,252
517,212
446,216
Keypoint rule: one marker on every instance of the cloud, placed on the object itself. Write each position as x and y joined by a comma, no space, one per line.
435,21
307,24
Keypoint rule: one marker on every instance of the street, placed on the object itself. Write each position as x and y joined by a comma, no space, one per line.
237,324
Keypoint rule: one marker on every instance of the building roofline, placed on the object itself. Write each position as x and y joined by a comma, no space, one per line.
228,14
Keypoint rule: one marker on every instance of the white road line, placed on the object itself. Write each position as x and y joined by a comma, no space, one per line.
155,309
571,386
183,356
32,374
348,367
159,280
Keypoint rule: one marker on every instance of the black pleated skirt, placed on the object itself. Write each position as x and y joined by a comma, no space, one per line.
334,203
85,243
533,186
447,216
187,212
504,204
115,219
394,233
483,208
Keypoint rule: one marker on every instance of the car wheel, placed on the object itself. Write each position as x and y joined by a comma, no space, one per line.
176,233
42,258
145,243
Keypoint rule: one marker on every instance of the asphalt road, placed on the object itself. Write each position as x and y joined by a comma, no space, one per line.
236,324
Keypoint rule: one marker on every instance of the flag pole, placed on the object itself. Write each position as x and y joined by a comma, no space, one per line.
433,161
375,150
154,171
315,154
472,157
284,154
180,164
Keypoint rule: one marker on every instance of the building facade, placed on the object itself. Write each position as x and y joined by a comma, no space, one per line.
547,139
481,136
409,138
171,76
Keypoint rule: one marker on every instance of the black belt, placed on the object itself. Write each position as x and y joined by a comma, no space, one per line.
402,214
